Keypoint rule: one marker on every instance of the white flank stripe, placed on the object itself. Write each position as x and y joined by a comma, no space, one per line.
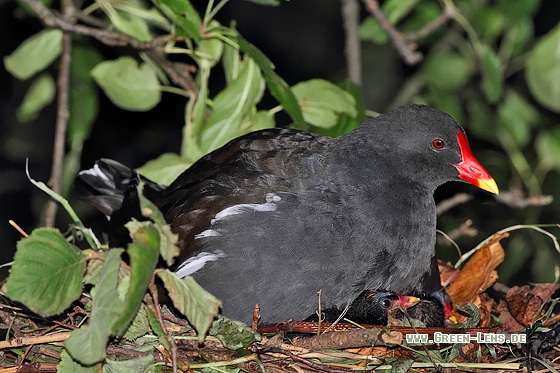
270,205
193,264
207,233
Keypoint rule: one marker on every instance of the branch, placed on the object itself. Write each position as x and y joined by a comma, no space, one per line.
107,36
62,115
406,50
449,203
179,73
448,13
352,51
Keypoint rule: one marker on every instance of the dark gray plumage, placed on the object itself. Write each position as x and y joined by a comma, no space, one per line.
277,215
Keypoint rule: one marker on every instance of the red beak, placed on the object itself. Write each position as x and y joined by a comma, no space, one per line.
471,170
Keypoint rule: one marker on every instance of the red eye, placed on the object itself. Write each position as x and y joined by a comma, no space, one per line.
438,144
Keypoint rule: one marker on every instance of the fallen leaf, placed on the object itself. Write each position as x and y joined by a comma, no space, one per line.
447,273
485,307
524,303
509,323
477,275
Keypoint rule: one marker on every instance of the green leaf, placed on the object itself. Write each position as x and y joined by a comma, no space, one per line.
445,101
481,116
139,327
371,30
154,323
547,145
34,54
165,168
394,10
84,98
183,14
401,365
446,70
84,106
129,86
167,239
199,306
424,12
258,120
47,272
489,23
322,102
87,344
231,62
516,10
68,365
233,334
231,105
519,35
128,23
143,253
492,75
474,315
212,49
40,94
347,123
276,85
136,364
517,115
543,70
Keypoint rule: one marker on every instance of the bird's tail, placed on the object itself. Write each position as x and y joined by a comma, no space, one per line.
107,184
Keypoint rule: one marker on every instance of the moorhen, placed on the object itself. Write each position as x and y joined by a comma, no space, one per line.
370,307
276,215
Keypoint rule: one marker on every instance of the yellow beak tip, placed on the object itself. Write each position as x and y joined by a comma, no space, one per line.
488,185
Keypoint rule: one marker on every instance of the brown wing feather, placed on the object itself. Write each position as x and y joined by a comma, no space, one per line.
243,171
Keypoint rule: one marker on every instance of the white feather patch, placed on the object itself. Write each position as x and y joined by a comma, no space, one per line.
270,205
193,264
95,171
207,233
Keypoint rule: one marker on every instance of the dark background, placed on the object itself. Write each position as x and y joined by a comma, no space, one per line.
304,39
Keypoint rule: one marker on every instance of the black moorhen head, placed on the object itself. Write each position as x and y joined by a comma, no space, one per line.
276,215
370,307
430,311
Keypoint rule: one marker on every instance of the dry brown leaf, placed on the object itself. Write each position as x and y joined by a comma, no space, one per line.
447,273
509,323
479,273
485,307
524,303
469,353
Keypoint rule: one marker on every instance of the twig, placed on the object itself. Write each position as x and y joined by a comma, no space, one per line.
179,73
465,229
352,50
18,228
447,14
154,300
515,198
349,339
62,115
107,36
31,367
25,341
406,50
449,203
